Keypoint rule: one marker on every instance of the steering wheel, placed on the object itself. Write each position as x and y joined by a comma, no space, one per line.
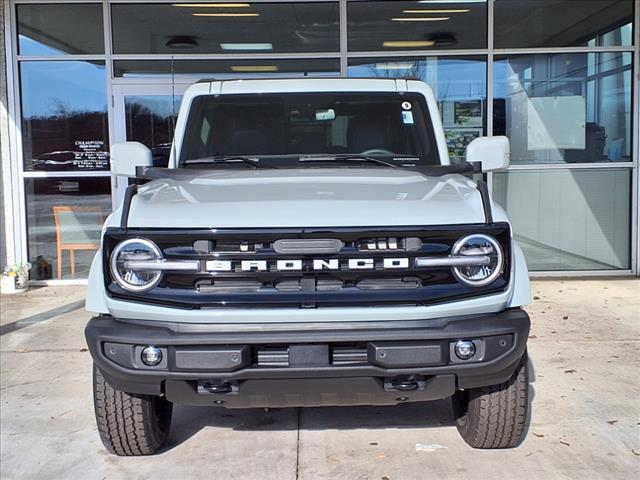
377,151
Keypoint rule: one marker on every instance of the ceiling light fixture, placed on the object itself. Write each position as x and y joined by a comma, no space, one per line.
452,1
182,41
420,19
450,10
443,39
225,14
395,66
254,68
408,43
211,5
246,46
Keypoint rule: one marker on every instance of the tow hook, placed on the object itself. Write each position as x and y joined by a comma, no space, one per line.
405,384
217,387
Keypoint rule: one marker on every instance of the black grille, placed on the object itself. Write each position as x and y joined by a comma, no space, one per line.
308,288
339,354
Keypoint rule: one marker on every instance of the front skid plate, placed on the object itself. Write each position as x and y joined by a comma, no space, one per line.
311,392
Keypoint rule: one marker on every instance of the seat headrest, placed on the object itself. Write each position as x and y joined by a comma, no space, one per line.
249,142
366,133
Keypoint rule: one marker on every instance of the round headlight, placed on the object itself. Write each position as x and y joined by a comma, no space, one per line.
132,250
486,260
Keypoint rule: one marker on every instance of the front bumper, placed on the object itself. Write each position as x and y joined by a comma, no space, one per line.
308,364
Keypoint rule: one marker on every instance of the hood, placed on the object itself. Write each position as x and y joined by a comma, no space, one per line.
323,197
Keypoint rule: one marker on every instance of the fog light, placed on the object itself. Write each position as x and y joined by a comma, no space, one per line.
151,356
465,349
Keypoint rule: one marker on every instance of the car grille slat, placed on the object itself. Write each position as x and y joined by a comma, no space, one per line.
266,356
348,356
272,357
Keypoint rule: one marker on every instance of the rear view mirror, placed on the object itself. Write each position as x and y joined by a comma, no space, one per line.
126,156
325,115
493,153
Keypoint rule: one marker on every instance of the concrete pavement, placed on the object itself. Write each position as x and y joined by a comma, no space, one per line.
584,347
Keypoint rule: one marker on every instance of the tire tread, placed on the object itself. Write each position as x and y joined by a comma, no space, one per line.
129,425
495,416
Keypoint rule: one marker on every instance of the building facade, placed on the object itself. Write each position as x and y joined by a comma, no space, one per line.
559,77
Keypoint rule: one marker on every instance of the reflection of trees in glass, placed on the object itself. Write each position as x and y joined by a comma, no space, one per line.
148,126
399,69
59,108
61,128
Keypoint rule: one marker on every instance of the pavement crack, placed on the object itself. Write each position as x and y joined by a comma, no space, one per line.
2,389
7,387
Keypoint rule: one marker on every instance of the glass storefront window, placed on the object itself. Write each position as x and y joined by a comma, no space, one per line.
562,23
61,29
220,28
569,219
64,219
221,69
559,110
388,26
459,85
565,108
64,115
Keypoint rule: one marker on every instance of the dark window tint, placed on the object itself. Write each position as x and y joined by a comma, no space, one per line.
391,126
228,68
388,26
565,108
60,29
64,115
562,23
64,219
459,84
223,28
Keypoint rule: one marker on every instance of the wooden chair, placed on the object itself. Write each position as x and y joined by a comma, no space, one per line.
77,228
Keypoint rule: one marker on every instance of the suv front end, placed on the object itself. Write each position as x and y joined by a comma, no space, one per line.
315,287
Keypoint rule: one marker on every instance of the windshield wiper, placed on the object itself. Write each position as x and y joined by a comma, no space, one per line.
250,162
347,158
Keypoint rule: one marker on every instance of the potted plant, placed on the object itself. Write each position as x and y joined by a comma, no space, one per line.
15,278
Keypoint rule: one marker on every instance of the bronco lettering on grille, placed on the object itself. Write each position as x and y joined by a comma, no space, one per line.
297,265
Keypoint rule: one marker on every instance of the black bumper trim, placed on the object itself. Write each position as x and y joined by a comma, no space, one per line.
514,322
312,392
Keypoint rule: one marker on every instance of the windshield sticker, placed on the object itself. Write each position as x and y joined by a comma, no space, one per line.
406,105
407,118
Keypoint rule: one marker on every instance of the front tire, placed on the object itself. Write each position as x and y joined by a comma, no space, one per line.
129,424
494,416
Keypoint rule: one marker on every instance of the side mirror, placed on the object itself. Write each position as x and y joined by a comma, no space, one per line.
126,156
493,153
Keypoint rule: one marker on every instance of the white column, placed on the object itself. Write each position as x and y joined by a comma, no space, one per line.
7,200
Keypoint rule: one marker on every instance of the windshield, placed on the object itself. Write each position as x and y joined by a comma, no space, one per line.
291,129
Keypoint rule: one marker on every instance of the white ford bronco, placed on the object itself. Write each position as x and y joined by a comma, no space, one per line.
309,244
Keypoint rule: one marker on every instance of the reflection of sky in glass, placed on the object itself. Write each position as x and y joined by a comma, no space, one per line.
29,46
501,72
157,104
62,28
450,78
72,85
